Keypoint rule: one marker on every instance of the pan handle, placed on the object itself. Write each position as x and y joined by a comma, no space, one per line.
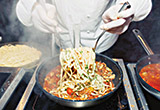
142,41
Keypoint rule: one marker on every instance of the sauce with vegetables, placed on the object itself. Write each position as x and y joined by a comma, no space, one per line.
53,77
151,75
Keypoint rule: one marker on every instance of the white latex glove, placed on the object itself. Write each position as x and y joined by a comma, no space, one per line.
32,13
115,22
44,18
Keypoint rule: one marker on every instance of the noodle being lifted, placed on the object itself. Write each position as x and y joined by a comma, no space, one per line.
81,78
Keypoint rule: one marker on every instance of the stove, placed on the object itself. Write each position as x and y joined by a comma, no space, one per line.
18,91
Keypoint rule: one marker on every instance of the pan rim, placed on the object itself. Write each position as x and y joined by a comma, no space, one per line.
88,100
30,65
142,82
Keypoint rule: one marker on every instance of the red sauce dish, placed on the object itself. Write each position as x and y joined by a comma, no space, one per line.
151,75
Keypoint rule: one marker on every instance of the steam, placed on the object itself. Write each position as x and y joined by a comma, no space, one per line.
28,34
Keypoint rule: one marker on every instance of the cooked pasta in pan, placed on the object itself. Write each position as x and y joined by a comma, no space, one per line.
79,77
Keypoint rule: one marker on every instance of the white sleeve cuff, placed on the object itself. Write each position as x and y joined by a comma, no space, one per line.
23,11
28,4
23,15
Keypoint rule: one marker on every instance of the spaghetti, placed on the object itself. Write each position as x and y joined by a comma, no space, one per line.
80,77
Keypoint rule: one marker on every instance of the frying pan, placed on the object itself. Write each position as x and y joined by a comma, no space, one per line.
32,64
151,58
49,63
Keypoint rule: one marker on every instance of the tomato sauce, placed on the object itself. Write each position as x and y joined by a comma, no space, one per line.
52,78
151,75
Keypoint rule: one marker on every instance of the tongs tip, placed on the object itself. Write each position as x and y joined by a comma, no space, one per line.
125,6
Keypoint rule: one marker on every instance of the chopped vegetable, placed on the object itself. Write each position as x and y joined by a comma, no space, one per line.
69,91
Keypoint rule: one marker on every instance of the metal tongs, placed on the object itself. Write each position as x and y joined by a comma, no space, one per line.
125,6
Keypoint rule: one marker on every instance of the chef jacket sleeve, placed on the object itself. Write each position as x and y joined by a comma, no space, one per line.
23,11
141,7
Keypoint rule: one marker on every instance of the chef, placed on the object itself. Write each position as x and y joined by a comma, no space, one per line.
62,17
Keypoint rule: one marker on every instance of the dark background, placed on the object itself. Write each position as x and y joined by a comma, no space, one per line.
127,47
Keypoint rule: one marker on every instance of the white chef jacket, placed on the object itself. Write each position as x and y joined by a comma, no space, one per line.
88,15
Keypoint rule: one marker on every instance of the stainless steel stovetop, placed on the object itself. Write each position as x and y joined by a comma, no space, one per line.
136,100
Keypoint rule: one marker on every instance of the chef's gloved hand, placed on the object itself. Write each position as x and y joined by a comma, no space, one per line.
45,19
33,13
117,23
